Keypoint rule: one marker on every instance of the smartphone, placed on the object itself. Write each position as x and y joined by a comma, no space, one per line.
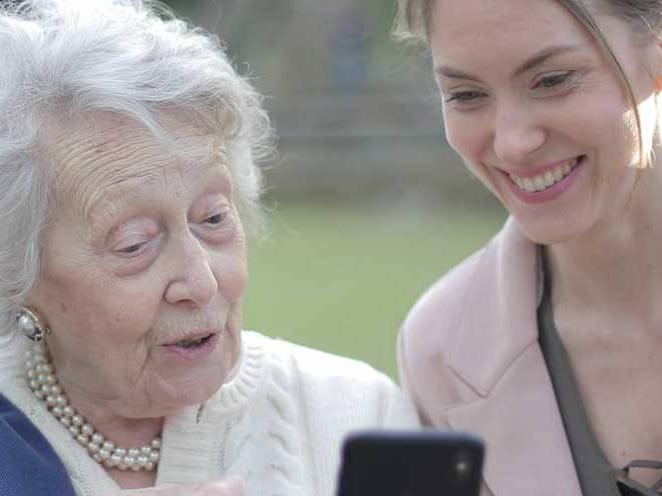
411,463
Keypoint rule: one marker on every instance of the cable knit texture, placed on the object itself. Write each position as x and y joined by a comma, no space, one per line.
278,423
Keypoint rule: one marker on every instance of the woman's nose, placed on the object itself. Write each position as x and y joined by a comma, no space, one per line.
194,280
517,136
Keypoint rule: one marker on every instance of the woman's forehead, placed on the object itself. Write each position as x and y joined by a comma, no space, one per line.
465,20
120,154
479,33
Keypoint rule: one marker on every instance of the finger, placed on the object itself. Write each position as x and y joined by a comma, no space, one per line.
226,487
235,487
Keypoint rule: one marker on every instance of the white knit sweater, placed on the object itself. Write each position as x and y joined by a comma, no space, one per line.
278,424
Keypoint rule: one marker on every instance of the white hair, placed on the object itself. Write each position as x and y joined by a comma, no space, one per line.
68,58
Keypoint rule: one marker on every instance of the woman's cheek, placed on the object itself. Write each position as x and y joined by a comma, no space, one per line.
234,287
464,144
472,147
228,266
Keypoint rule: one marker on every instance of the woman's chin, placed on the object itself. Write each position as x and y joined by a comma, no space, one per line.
547,231
166,400
194,394
192,385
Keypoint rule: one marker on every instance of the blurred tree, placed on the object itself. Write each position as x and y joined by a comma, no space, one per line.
306,45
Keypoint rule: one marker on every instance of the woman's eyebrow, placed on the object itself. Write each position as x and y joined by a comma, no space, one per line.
530,63
542,56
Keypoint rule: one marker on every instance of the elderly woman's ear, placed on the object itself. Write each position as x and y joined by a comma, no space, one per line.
32,324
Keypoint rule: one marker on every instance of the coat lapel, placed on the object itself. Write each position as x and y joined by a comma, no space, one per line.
527,449
497,353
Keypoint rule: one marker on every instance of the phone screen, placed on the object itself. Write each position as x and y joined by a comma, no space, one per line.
411,463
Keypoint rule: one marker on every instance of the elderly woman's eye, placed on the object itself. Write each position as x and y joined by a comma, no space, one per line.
215,219
130,249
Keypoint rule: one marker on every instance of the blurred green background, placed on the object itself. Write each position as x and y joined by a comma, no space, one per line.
367,205
341,278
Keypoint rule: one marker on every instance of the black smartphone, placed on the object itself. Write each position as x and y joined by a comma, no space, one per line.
411,463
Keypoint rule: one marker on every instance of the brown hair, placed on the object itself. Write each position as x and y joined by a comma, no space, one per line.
414,17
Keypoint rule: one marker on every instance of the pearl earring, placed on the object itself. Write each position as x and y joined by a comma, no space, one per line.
31,325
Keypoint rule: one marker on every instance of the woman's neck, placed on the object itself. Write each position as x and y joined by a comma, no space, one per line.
616,268
120,444
123,431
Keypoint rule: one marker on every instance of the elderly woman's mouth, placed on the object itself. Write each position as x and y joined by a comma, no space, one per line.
194,346
192,343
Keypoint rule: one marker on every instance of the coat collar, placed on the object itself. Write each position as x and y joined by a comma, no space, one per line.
502,298
496,351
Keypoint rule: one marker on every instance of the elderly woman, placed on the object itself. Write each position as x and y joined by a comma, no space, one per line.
127,155
547,341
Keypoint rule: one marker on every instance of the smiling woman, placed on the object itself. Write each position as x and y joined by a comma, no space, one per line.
128,158
555,109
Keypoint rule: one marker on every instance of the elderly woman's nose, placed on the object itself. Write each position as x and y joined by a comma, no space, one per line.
517,135
193,278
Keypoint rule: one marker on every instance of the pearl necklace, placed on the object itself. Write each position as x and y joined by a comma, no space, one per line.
44,385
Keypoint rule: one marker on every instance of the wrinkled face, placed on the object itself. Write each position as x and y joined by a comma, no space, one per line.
144,268
537,112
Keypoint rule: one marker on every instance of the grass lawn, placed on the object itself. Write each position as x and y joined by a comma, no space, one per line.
342,279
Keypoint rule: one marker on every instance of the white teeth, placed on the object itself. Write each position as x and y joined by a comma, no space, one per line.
549,179
545,180
528,185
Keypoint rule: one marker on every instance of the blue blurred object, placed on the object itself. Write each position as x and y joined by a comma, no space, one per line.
28,464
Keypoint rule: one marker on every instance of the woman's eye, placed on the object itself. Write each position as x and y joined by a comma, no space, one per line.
130,249
214,219
464,96
553,80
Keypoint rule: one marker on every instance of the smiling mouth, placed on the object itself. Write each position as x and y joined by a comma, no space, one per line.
547,179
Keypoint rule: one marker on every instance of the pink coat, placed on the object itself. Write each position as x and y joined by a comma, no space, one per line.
469,357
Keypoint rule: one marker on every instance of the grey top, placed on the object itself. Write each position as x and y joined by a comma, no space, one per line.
596,476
